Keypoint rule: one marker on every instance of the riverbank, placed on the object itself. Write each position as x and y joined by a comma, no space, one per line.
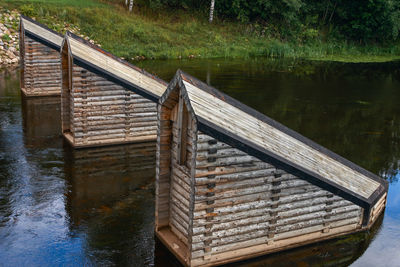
145,34
9,35
9,49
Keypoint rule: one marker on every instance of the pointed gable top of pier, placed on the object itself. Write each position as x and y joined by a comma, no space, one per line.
105,64
40,33
238,125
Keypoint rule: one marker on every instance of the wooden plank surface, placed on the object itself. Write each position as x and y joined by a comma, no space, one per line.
115,67
264,135
42,32
169,239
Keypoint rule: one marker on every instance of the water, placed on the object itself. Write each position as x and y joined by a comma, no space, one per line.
60,206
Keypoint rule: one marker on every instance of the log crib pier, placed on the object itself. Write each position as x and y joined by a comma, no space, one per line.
232,184
105,100
39,49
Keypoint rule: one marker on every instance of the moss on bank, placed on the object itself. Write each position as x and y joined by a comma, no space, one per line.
145,34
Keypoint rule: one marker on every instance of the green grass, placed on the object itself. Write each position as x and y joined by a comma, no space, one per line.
358,58
179,34
74,3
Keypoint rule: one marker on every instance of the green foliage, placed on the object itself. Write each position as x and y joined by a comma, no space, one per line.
6,37
283,11
368,20
27,10
308,28
75,3
181,4
363,21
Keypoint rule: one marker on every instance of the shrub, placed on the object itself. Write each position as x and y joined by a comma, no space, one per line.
27,10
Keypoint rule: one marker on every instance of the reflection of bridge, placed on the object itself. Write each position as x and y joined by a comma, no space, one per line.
231,183
41,121
102,177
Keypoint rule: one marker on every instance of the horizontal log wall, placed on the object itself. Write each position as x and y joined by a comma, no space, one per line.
163,160
174,179
181,204
163,163
242,202
104,112
41,69
377,209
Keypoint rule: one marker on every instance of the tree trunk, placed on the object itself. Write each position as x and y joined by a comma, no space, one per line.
130,5
212,11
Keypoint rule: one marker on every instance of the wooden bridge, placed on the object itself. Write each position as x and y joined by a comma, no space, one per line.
231,183
40,59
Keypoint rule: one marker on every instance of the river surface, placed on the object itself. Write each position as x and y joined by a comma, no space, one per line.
95,207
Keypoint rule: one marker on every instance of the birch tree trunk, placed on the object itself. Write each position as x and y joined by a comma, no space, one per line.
130,5
212,11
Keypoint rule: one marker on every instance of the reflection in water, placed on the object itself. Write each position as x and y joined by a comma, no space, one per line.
100,177
60,206
41,121
110,197
384,250
32,210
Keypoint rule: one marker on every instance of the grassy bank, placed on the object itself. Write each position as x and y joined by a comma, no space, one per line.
146,34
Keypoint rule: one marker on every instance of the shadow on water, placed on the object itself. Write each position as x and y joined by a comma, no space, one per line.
95,206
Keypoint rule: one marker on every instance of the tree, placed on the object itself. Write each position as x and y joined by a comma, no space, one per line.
212,11
130,4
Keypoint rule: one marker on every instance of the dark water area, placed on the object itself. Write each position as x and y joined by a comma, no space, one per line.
95,207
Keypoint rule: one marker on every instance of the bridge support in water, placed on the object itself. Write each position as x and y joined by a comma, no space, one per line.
232,183
40,59
105,100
